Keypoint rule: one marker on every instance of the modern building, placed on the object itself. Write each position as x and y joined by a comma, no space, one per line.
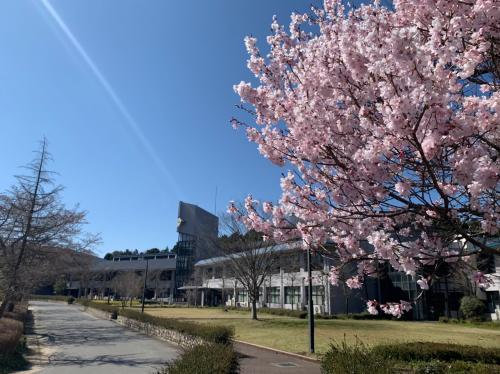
287,286
195,273
198,231
95,277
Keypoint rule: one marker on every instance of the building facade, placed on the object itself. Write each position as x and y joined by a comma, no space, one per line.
193,273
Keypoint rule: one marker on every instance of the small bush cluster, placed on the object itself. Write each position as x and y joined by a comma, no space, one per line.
426,351
205,359
343,358
70,300
471,307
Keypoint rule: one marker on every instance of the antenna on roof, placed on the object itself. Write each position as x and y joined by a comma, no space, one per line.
215,201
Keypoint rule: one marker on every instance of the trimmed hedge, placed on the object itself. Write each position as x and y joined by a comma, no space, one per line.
356,316
12,343
110,308
205,359
417,358
284,312
456,367
13,361
11,331
49,297
426,351
210,333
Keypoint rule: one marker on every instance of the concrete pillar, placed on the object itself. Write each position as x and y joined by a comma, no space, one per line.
302,294
327,285
282,289
202,298
264,294
234,293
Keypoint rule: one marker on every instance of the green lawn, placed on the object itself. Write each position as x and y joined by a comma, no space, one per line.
290,334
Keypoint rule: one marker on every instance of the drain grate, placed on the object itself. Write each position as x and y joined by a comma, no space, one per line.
286,365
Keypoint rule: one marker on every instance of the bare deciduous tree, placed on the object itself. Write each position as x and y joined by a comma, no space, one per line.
32,220
128,285
250,257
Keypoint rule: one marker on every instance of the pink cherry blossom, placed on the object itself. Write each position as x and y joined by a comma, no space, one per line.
422,283
354,282
372,307
389,121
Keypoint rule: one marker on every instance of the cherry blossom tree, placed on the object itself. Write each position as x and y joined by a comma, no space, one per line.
389,122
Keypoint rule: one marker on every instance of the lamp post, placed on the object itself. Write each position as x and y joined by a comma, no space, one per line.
144,287
310,302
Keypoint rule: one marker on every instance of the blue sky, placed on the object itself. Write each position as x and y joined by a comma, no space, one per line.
144,121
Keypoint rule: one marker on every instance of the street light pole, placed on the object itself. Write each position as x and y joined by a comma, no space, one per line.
310,303
144,287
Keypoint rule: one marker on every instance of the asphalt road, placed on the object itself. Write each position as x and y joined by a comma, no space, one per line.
75,342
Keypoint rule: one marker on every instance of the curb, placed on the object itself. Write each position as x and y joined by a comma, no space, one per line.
295,355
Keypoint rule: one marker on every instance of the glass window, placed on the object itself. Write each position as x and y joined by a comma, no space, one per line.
165,275
209,273
242,296
273,295
218,272
318,295
292,295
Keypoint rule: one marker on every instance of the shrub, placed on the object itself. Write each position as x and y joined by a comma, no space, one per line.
71,300
426,351
13,360
11,331
19,313
49,297
457,367
354,359
471,307
101,306
205,359
210,333
355,316
284,312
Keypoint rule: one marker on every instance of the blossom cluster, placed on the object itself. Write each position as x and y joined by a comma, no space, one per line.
389,119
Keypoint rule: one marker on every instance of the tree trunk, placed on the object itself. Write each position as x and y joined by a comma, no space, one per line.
254,309
3,306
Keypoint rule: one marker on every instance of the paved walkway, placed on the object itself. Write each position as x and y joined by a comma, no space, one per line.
72,341
76,342
256,360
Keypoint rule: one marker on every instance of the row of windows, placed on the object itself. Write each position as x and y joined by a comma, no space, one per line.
292,295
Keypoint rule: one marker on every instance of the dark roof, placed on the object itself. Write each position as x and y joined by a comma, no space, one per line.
277,248
158,264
